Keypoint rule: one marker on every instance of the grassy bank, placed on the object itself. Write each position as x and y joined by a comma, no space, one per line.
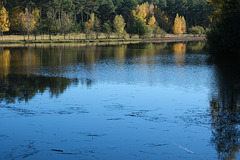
79,38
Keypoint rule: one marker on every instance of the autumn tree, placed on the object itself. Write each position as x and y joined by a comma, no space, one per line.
89,26
152,22
4,22
29,20
183,22
179,26
119,25
145,13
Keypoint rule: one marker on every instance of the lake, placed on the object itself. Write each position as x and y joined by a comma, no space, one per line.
117,101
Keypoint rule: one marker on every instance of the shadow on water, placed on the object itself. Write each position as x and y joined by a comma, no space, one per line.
225,107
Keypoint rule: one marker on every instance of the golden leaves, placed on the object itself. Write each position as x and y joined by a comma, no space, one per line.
145,12
28,19
4,21
90,24
179,26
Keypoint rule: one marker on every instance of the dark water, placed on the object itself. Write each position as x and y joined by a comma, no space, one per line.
136,101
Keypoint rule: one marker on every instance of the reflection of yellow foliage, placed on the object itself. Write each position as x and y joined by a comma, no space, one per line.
5,58
120,53
179,50
30,59
91,56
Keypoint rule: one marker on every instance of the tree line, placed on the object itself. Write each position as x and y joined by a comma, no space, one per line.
133,17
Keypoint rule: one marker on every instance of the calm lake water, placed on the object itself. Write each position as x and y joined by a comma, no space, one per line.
117,102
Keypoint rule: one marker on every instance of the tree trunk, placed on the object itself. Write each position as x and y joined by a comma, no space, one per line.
75,17
82,16
59,19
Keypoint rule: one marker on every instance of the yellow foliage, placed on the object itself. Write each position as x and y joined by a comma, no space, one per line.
179,50
4,22
179,26
36,14
90,24
152,22
28,20
184,29
145,12
218,5
139,13
92,19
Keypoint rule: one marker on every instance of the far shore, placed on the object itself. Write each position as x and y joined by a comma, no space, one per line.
17,39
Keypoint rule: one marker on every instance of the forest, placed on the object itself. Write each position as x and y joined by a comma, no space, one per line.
121,17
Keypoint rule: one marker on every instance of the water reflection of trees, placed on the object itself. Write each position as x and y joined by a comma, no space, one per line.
5,61
17,87
225,111
52,56
179,50
38,60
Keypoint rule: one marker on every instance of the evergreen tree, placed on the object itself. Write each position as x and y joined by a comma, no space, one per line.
107,29
97,27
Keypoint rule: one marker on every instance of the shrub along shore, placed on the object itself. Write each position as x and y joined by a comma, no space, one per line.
80,38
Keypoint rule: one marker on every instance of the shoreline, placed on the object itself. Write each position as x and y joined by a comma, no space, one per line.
169,38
